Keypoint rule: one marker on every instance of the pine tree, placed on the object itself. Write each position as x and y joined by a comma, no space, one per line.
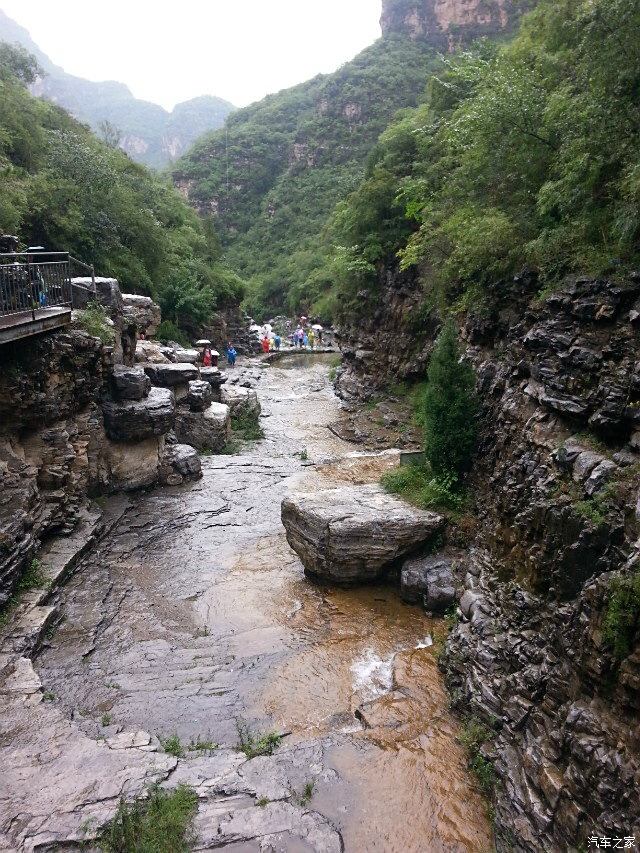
450,407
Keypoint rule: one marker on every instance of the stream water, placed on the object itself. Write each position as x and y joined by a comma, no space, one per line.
194,613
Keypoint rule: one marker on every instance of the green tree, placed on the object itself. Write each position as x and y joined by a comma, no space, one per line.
450,407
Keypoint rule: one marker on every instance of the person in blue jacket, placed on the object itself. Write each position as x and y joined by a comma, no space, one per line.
231,354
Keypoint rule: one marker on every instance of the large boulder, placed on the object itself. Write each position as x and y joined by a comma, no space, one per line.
243,402
142,312
206,431
352,535
135,420
179,462
428,580
169,375
129,383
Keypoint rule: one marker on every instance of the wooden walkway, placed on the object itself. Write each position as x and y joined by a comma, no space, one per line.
14,327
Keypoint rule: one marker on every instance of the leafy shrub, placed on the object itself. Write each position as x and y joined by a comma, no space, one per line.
450,408
168,331
622,616
159,824
172,746
416,484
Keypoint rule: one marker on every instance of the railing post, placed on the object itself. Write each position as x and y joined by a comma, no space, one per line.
93,280
31,288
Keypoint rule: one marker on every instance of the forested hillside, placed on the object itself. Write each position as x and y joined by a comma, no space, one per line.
66,190
524,155
273,177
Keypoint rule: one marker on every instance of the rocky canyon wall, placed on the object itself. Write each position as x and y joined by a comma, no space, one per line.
448,23
78,419
556,483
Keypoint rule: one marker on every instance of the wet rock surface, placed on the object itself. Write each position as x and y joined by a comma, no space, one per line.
169,375
136,420
556,480
351,535
207,430
429,581
129,383
142,312
193,612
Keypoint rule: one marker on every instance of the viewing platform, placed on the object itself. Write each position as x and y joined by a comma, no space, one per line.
37,293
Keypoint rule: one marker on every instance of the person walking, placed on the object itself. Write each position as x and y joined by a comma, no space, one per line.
206,357
265,344
231,354
312,337
277,341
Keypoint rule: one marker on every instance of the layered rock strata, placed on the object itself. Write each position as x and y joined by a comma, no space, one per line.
556,481
353,535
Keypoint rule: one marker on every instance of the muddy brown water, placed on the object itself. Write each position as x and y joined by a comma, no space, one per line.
195,613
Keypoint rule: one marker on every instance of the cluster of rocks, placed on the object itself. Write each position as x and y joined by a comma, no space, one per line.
557,486
78,418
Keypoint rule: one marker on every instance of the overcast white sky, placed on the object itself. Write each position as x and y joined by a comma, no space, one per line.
169,52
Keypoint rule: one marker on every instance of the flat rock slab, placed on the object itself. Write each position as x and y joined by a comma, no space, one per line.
168,375
351,535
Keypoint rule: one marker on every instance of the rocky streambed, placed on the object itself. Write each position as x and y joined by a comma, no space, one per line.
193,616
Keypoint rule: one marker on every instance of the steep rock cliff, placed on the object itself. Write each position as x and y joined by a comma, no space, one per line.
447,24
556,483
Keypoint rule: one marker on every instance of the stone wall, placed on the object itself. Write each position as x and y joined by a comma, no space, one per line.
556,480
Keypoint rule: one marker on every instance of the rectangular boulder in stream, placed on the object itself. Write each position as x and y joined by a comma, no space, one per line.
352,535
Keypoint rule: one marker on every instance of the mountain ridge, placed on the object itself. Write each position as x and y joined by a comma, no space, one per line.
149,134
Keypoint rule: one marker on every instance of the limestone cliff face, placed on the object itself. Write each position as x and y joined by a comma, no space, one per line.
448,23
556,482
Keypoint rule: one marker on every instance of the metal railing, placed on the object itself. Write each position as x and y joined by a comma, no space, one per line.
34,281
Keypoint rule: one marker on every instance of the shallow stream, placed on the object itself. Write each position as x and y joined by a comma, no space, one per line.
194,613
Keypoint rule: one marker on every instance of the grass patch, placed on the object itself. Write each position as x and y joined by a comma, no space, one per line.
472,737
106,719
172,746
417,485
95,322
159,824
305,798
253,744
33,577
622,616
247,427
263,801
201,745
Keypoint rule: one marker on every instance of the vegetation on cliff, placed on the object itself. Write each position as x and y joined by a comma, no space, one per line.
275,174
446,410
525,154
66,190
